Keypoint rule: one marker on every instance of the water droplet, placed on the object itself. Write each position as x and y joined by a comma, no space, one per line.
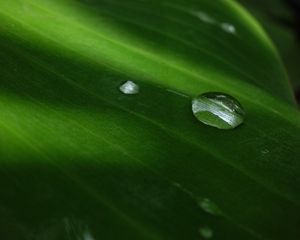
204,17
129,87
88,236
206,232
265,151
229,28
208,206
218,110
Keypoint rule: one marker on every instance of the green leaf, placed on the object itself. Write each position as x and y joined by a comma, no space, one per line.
81,160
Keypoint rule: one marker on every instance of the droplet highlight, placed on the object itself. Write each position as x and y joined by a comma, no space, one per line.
209,206
129,87
218,110
265,151
204,17
87,236
229,28
206,232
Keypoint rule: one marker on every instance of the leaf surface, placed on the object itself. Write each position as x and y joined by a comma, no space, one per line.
79,159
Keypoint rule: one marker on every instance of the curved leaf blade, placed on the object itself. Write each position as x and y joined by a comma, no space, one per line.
142,163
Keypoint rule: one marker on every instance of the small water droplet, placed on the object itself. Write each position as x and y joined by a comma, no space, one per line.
229,28
218,110
204,17
88,236
178,185
206,232
208,206
129,87
265,151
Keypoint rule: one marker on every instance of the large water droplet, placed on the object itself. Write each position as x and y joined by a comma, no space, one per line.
129,87
218,110
209,206
206,232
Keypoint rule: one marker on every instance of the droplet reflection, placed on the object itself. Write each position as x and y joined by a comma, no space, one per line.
206,232
229,28
129,87
204,17
218,110
209,206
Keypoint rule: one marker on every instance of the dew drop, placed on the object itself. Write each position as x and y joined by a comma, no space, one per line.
229,28
208,206
204,17
88,236
206,232
218,110
129,87
265,151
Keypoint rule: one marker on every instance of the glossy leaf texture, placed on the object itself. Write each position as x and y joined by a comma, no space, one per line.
81,160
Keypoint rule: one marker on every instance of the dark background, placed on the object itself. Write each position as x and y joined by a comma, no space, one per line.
281,19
